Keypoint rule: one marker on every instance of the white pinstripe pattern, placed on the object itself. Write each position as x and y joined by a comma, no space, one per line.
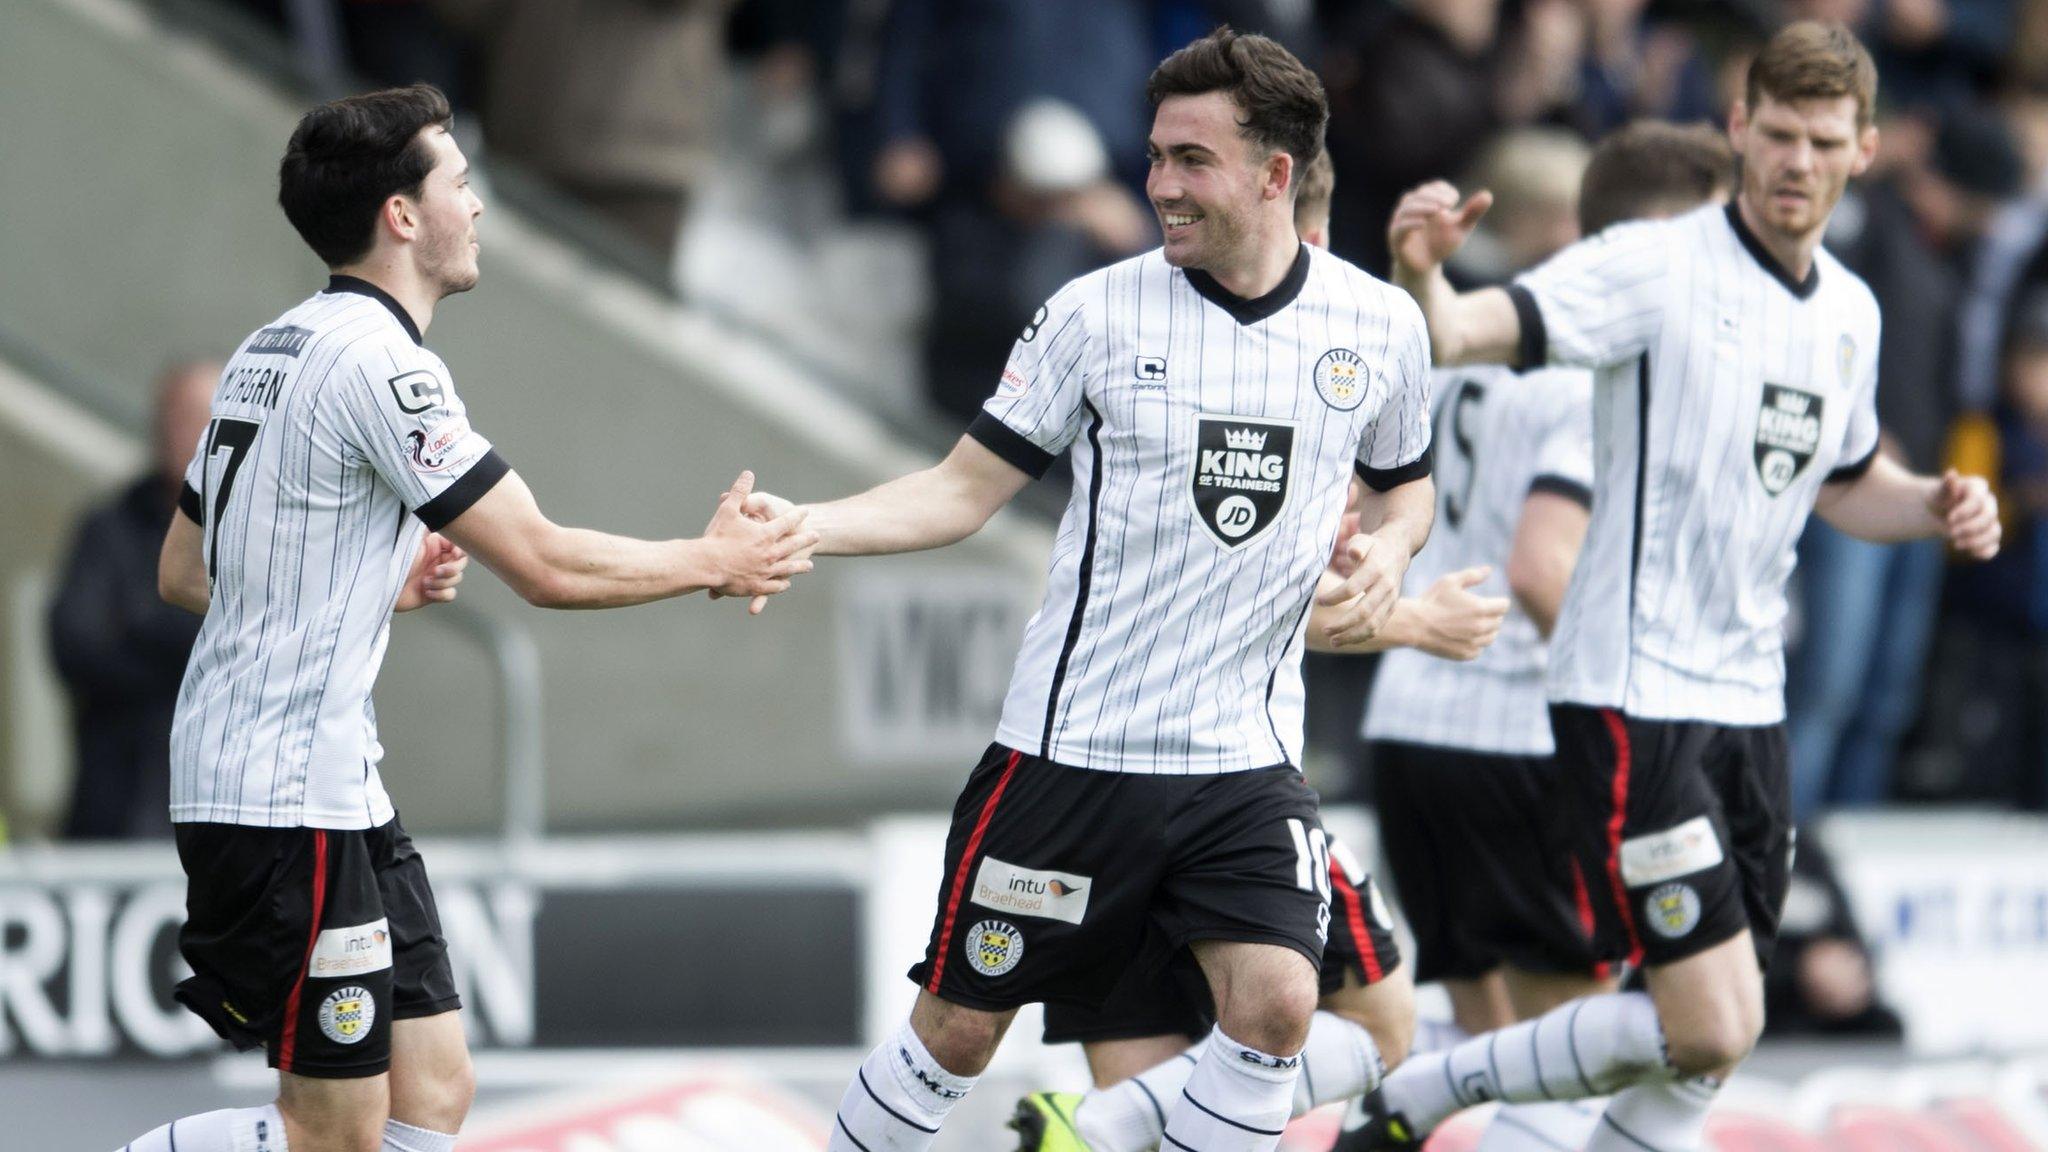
1496,432
1684,622
273,724
1186,655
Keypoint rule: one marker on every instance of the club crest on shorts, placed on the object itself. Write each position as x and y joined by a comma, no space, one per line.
1787,435
347,1015
1242,468
1672,910
994,947
1342,379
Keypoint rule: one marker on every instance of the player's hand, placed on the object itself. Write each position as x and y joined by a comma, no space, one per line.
435,573
1366,598
1969,514
1429,224
1455,624
757,558
766,506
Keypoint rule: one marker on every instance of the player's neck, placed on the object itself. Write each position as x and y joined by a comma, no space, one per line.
409,289
1263,267
1794,253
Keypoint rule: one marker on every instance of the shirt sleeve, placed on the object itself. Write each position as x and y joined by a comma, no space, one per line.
1396,446
189,501
1860,439
1564,457
415,431
1036,410
1598,302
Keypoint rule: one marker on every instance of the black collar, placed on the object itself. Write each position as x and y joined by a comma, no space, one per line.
1252,311
1800,288
363,287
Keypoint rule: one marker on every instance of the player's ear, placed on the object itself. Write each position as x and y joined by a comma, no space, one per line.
1738,124
1866,149
1279,175
401,216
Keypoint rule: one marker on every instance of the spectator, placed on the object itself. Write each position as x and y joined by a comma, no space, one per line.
1855,678
1015,129
613,101
1635,70
1417,90
1820,981
118,647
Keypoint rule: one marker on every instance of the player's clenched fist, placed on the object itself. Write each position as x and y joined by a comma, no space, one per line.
1365,599
1969,515
1429,224
757,556
435,573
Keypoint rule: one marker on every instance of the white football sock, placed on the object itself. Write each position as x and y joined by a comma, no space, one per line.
1589,1047
1237,1100
897,1100
402,1137
228,1130
1130,1116
1664,1116
1340,1061
1559,1127
1436,1035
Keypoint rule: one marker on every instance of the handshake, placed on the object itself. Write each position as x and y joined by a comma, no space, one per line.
758,543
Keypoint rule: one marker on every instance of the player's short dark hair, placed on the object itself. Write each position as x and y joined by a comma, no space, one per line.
1810,60
347,157
1652,167
1312,192
1283,105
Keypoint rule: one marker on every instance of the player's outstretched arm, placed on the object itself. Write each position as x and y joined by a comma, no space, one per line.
551,566
1396,523
1888,504
1447,621
940,505
1546,549
1428,225
181,567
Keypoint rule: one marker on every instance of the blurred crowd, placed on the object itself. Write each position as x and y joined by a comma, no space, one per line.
1009,136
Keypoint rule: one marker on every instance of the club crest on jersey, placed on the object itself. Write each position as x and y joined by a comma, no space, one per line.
1342,379
1787,435
1242,468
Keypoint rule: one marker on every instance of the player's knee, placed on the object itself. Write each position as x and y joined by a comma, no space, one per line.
1713,1042
1271,1017
962,1041
1394,1037
443,1098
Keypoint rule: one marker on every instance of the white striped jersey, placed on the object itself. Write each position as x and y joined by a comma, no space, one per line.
1500,436
1213,442
1726,394
336,442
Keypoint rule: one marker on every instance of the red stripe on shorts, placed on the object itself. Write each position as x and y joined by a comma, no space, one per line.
1584,902
988,811
287,1042
1617,728
1354,914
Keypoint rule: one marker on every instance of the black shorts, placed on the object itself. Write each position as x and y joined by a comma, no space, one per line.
1149,1002
1687,827
310,941
1057,878
1481,863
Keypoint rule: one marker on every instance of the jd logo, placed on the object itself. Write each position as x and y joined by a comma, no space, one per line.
1241,473
1787,435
